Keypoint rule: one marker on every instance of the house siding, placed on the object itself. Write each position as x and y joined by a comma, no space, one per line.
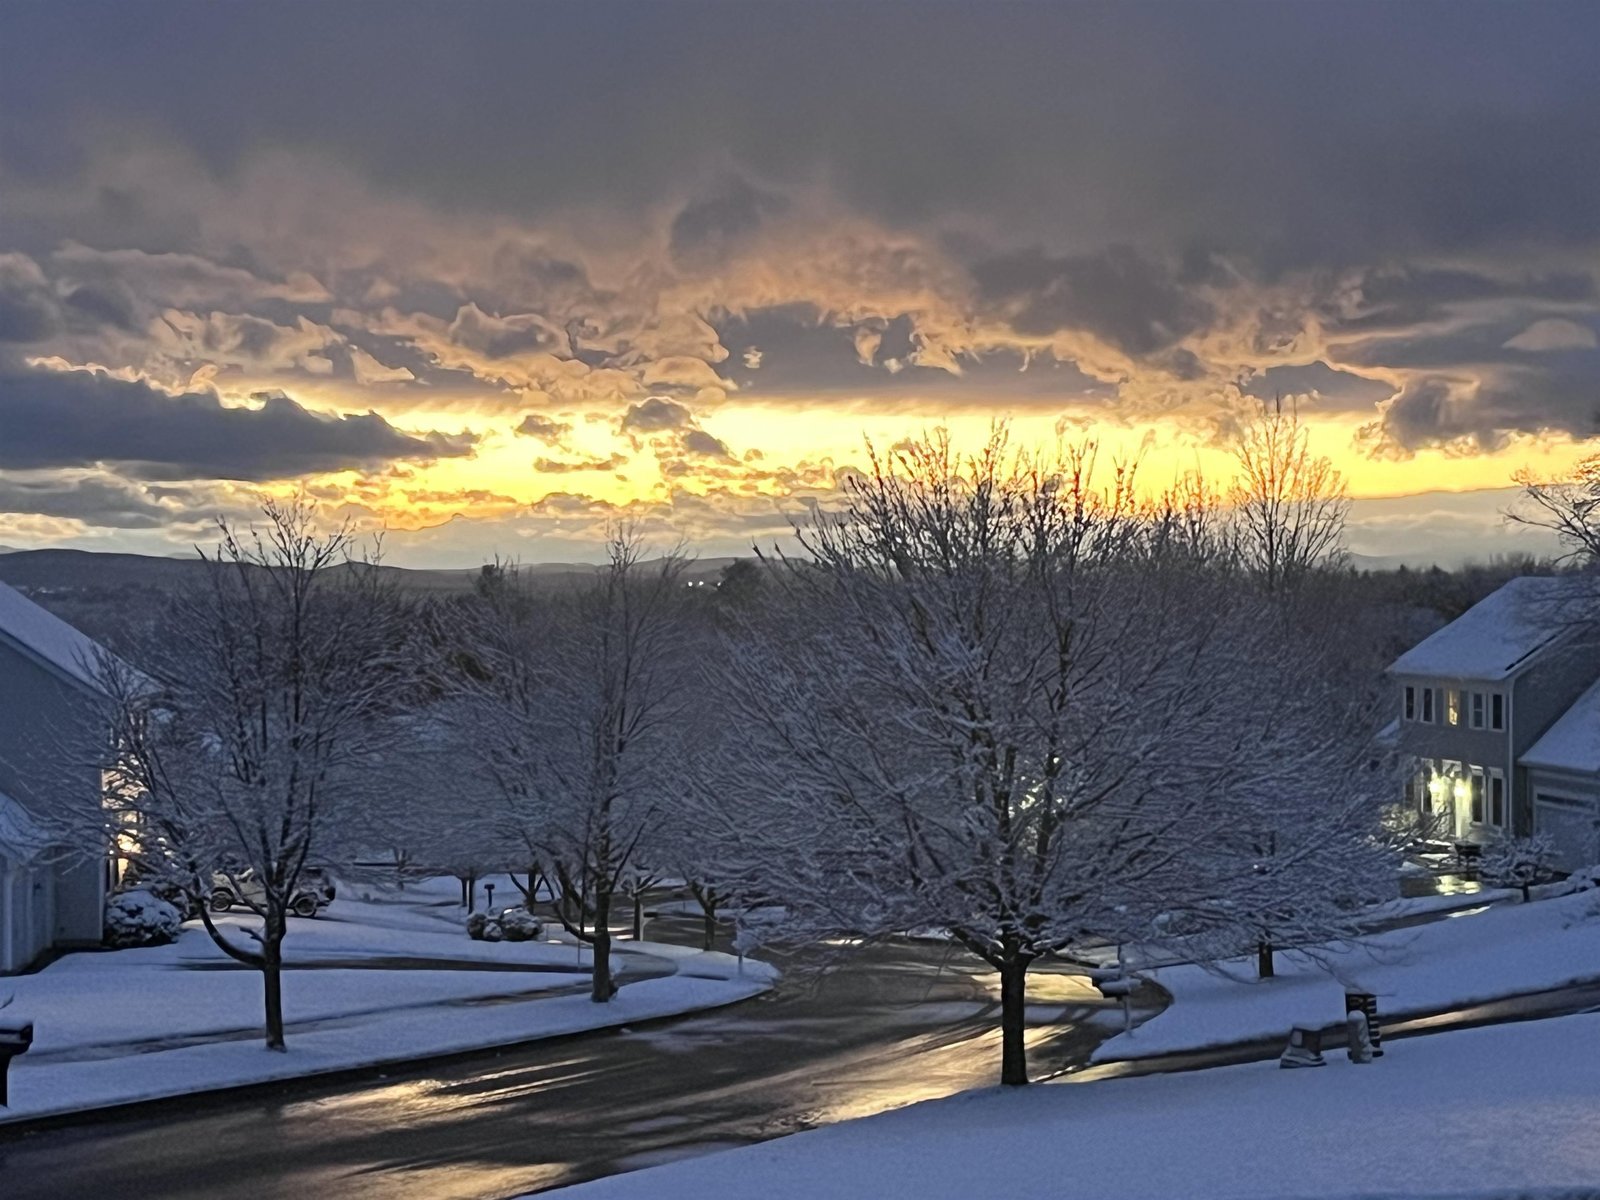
1540,695
57,898
1440,742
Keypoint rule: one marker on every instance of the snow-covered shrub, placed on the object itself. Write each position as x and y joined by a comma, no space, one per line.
506,925
138,918
520,925
1518,862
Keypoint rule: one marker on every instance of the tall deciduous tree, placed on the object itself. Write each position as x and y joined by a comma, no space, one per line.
1289,504
259,726
572,700
997,700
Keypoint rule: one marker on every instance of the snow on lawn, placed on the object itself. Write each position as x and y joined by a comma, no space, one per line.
1463,959
378,981
1505,1111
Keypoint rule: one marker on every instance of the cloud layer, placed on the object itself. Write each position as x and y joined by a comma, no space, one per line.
478,258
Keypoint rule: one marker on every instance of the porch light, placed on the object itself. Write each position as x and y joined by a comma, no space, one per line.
1460,790
1437,787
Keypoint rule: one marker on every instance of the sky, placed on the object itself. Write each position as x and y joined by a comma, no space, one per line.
493,275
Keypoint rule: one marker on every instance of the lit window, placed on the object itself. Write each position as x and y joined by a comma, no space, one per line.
1477,709
1411,703
1497,798
1497,711
1452,707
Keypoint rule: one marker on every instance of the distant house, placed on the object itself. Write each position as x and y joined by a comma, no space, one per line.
1500,719
51,894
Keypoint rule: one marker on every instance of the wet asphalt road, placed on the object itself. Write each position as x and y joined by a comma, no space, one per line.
885,1026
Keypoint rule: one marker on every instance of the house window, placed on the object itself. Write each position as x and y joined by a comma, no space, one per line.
1427,705
1476,709
1497,799
1497,711
1477,795
1452,706
1411,703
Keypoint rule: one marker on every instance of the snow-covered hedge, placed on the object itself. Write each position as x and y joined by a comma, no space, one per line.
507,925
138,918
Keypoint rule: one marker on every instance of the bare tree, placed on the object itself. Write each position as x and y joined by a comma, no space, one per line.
1000,701
1289,505
258,728
1568,508
572,700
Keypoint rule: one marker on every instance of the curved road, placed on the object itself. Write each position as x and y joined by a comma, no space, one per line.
885,1026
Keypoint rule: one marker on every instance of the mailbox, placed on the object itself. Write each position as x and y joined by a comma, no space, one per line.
14,1040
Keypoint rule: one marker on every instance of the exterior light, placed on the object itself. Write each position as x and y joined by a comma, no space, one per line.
1460,789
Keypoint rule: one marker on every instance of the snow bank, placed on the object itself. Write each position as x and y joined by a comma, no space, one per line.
1497,1112
1465,959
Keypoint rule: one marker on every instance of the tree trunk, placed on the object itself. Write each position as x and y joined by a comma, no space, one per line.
1013,1011
638,916
709,927
1264,965
533,888
603,988
272,980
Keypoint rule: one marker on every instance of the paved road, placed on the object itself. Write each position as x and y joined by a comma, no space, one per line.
889,1025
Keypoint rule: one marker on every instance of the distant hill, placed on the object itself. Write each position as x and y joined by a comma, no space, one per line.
112,596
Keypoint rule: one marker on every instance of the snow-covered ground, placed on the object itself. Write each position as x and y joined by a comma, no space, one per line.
1507,1111
371,981
1466,958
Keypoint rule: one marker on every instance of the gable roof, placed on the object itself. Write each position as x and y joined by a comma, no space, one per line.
1501,633
48,638
1573,742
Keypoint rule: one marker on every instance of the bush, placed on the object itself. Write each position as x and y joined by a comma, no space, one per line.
1518,863
507,925
520,925
138,918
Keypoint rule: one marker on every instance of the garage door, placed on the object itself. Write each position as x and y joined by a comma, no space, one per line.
1571,825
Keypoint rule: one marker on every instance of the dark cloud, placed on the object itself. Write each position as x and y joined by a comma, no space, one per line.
557,466
1335,388
1132,302
711,226
802,353
701,443
103,501
544,428
655,415
28,311
81,418
1397,297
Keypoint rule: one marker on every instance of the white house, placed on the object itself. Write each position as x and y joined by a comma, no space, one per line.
51,894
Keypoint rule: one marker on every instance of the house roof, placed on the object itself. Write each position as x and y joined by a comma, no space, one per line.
1573,742
1501,633
47,637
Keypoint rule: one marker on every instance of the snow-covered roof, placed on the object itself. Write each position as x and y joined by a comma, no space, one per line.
1503,631
1573,742
20,835
47,636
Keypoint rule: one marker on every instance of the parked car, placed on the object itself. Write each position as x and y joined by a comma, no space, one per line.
315,893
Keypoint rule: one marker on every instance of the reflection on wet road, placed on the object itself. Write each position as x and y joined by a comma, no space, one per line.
888,1025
